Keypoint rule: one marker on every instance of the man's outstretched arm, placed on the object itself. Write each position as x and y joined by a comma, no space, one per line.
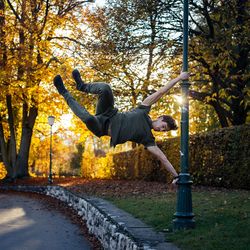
163,90
161,156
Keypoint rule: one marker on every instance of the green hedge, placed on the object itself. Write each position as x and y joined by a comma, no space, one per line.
217,158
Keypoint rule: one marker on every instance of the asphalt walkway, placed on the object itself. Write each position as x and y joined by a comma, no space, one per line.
26,225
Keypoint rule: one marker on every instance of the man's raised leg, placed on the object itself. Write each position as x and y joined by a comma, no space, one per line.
103,90
91,122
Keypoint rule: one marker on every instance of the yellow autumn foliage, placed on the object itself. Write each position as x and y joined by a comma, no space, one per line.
97,167
3,171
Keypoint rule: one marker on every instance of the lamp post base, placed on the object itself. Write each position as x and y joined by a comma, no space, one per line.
184,214
181,223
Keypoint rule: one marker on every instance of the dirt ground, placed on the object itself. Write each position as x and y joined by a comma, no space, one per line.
102,187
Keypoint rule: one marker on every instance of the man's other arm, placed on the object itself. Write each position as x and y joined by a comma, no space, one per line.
161,156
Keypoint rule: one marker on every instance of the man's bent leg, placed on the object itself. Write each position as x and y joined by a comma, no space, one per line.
103,90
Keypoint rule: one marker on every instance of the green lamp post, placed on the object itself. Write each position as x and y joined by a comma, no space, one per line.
184,214
51,120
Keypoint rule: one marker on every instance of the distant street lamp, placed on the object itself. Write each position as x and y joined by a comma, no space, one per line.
51,120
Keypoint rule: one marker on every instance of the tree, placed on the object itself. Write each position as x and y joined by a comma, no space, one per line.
219,53
27,59
128,45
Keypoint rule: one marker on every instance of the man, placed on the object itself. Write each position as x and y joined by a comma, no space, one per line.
133,126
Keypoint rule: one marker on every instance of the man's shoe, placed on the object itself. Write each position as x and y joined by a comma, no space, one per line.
58,82
80,85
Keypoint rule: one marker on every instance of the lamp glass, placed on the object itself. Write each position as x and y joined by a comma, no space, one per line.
51,120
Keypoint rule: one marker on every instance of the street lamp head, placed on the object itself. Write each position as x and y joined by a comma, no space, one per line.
51,120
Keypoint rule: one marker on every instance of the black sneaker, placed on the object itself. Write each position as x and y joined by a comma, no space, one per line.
80,85
58,82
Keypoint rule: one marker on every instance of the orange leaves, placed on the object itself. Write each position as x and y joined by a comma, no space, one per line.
3,171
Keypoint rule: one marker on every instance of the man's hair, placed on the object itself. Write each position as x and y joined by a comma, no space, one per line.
170,121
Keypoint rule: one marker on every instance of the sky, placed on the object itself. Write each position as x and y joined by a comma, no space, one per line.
99,2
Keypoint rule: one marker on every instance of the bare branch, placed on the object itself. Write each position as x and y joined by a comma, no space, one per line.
14,11
45,17
66,38
200,96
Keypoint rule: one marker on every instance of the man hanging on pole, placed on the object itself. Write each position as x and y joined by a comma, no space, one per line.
135,125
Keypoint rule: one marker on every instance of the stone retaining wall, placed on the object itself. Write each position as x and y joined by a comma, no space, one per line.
106,230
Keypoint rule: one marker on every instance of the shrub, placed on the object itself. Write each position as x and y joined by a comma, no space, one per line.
217,158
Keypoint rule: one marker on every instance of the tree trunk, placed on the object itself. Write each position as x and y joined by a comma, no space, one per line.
29,119
221,115
3,148
12,154
239,112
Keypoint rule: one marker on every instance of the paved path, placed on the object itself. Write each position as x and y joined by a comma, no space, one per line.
26,225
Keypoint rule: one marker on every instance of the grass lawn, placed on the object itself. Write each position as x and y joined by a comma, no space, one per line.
222,218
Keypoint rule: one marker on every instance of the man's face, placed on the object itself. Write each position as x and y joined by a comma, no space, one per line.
160,125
